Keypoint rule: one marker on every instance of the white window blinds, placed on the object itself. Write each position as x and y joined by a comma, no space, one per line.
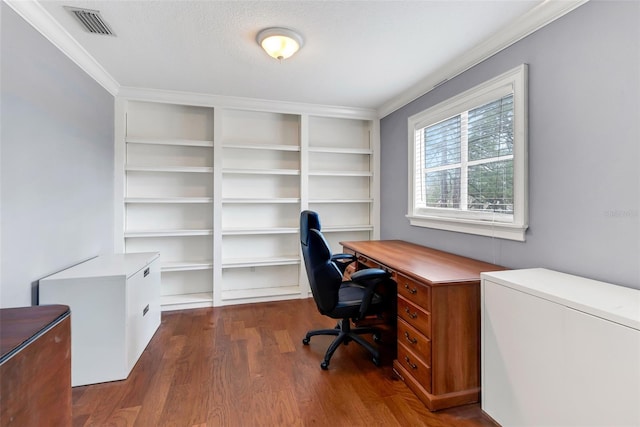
466,161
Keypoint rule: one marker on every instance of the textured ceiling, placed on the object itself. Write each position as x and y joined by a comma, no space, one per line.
356,53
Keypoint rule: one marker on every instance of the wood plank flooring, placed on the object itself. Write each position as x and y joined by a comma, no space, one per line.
245,365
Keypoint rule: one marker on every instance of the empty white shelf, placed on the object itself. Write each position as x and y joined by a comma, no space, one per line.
274,147
259,262
186,265
237,294
169,200
251,231
262,171
182,169
339,150
238,200
167,141
168,233
340,173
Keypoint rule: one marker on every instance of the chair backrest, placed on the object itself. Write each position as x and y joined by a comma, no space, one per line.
308,220
324,277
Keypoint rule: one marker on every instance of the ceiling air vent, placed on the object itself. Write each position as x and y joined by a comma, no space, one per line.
91,20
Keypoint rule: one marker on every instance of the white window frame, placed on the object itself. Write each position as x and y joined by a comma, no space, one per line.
479,223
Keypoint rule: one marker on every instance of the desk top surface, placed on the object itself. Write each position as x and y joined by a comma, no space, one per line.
19,325
421,263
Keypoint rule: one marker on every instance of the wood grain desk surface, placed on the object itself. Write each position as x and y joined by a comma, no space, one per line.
422,263
19,325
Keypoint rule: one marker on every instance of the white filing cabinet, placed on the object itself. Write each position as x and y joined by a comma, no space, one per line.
115,310
559,350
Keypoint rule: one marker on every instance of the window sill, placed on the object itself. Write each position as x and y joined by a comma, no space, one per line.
481,228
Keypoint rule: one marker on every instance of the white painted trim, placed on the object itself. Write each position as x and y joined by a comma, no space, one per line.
249,104
43,22
374,165
465,221
119,179
480,228
536,18
217,207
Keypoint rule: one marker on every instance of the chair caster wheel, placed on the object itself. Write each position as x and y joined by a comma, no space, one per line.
305,341
376,361
324,365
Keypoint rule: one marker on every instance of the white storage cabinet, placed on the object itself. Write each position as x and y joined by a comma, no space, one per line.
115,310
559,350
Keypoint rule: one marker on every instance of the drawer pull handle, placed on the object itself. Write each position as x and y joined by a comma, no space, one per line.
412,291
412,315
146,272
146,309
409,339
412,365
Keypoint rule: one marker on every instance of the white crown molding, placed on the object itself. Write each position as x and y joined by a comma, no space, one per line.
536,18
33,12
205,100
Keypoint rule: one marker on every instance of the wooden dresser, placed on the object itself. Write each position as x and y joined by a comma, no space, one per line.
438,329
35,366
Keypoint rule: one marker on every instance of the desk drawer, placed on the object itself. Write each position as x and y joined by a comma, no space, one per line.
411,338
414,316
415,292
415,366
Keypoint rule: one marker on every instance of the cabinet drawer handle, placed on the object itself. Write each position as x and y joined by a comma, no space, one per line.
146,309
412,291
412,365
146,272
409,339
412,315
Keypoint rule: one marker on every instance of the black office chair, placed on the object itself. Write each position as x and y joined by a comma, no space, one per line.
309,220
338,299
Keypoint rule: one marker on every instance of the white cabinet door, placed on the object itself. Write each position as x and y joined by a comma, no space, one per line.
601,370
521,344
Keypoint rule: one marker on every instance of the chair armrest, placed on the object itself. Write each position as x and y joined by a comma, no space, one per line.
370,278
342,261
369,274
343,257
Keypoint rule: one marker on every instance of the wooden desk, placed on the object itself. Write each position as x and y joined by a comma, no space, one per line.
35,366
438,342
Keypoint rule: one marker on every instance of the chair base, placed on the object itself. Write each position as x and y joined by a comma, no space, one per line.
345,334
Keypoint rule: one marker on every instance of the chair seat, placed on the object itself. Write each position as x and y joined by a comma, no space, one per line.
350,299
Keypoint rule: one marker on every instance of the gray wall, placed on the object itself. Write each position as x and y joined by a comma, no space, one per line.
57,162
584,139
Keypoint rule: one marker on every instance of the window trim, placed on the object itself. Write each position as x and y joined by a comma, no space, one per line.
513,80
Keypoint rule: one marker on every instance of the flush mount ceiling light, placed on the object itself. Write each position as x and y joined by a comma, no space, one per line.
279,43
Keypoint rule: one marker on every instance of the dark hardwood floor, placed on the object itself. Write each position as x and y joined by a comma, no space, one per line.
245,365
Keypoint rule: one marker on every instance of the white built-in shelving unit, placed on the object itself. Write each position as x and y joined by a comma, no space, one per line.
341,171
217,189
260,205
168,163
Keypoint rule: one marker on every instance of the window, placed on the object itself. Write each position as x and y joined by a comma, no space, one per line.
468,160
